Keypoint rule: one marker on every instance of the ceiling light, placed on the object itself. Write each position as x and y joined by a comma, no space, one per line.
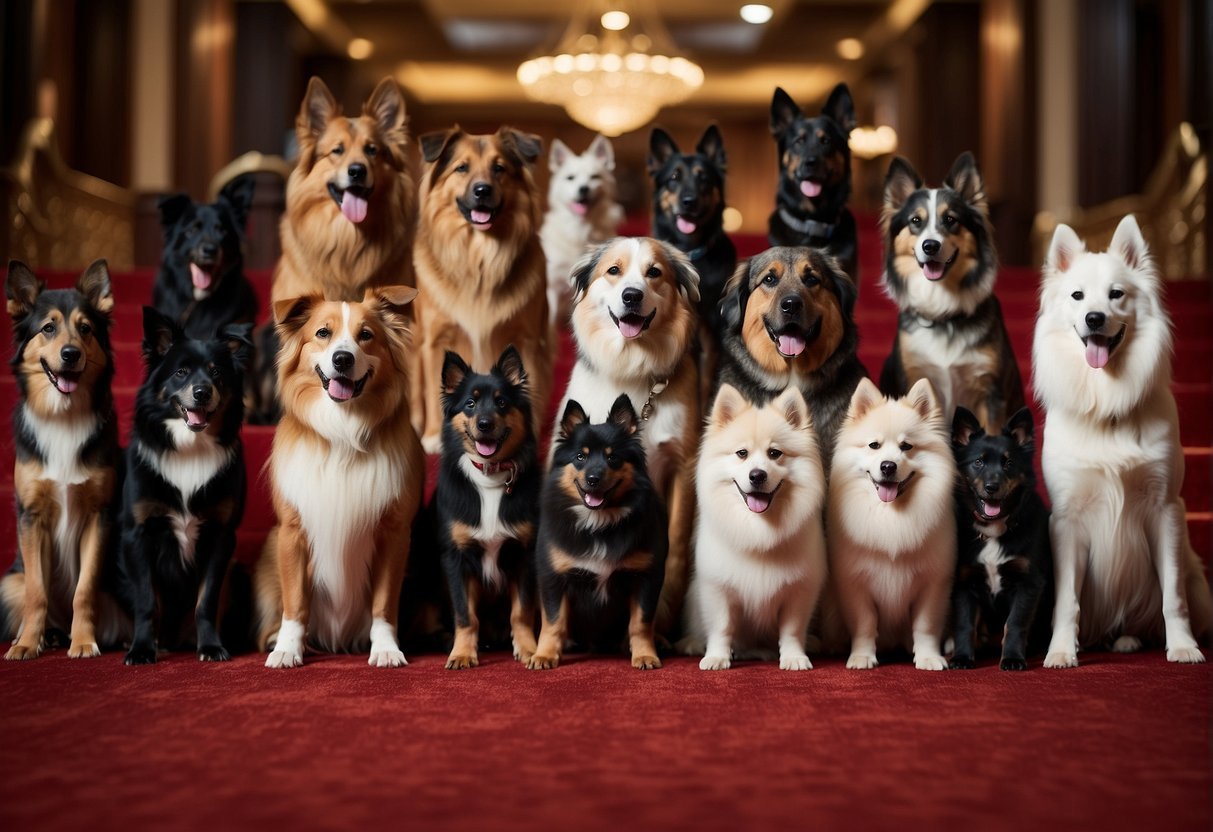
360,49
756,13
870,142
850,48
615,21
731,220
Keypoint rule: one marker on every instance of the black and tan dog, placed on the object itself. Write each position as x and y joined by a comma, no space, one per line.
815,177
788,322
487,504
940,266
688,211
600,554
68,464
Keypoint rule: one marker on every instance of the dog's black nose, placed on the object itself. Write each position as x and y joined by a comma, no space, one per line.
357,173
482,190
202,393
991,488
484,424
584,191
930,247
791,304
888,470
593,479
70,354
343,361
1095,321
689,200
632,297
757,476
810,161
208,249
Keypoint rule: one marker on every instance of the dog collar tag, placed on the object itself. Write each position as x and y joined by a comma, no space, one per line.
658,388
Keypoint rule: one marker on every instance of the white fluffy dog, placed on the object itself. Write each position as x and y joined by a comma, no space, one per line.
581,211
760,557
892,542
1112,459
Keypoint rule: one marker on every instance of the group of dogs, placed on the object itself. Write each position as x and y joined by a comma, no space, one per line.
810,509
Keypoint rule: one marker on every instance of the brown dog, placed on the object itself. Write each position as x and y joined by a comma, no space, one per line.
480,266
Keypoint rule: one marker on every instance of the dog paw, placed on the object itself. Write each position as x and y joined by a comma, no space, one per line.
213,653
432,444
386,658
1126,644
140,654
861,661
645,661
961,663
1061,658
542,661
1012,663
930,663
715,663
461,661
1185,655
795,663
284,658
19,653
84,650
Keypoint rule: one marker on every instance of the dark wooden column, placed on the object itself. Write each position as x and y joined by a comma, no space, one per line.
203,132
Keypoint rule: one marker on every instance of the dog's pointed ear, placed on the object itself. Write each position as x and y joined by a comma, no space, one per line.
319,107
791,406
290,314
899,183
866,396
239,339
96,286
623,415
728,405
389,303
965,427
432,144
1063,249
784,111
1021,428
523,148
965,179
1129,245
584,268
558,154
172,208
734,298
386,107
661,147
841,108
685,273
237,195
22,288
160,332
922,399
602,150
454,371
509,366
711,144
573,416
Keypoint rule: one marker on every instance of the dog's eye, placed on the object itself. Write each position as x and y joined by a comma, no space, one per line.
470,404
84,329
214,372
1077,295
613,460
742,453
182,373
498,167
612,270
48,329
594,177
810,279
675,176
580,457
338,150
365,335
905,446
1116,294
570,177
324,333
874,446
978,464
370,150
653,272
948,220
774,453
824,141
462,167
1006,462
771,279
915,221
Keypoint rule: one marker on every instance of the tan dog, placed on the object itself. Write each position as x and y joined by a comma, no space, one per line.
479,264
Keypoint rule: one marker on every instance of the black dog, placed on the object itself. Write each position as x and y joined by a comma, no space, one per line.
815,177
1004,560
185,484
201,284
600,555
487,503
688,211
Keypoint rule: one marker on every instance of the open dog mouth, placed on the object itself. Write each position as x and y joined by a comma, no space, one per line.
633,323
686,223
1100,347
988,509
792,339
810,187
65,381
935,269
596,498
203,273
890,490
582,205
757,501
196,418
352,201
340,388
480,216
487,446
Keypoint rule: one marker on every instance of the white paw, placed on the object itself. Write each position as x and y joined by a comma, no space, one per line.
432,444
1185,655
930,663
386,658
795,663
1061,658
284,658
88,650
1126,644
715,663
861,661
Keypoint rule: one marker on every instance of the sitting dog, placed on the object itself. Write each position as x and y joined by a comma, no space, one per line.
1112,459
1004,566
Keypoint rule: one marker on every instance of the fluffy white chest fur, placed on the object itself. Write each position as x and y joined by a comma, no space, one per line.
991,557
955,368
196,460
491,532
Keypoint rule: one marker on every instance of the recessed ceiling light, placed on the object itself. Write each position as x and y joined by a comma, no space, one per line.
850,48
756,13
615,21
360,49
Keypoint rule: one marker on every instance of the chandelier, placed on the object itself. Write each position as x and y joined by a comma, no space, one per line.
612,71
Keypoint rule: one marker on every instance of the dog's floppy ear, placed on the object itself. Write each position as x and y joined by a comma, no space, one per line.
573,416
734,298
841,108
1021,428
160,332
711,144
237,195
522,148
389,303
899,183
661,148
623,415
290,314
922,399
790,404
784,111
454,371
509,366
1129,245
386,107
965,427
729,404
1064,247
319,107
22,288
965,179
685,273
584,268
239,338
558,154
602,150
96,287
172,208
866,396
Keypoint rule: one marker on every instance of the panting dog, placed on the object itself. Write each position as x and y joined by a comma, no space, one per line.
67,472
760,552
940,266
487,505
814,182
634,323
582,211
347,474
1004,566
201,284
788,322
892,541
183,497
600,554
480,265
688,211
1112,460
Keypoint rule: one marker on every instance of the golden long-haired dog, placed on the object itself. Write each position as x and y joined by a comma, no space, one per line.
347,474
479,264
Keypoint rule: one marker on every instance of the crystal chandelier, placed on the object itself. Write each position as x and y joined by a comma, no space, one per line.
612,70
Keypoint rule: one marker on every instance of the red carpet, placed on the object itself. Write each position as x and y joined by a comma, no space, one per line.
1119,743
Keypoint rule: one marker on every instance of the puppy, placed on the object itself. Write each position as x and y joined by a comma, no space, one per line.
347,475
487,502
1112,459
760,553
787,321
65,435
940,266
480,265
184,493
1004,567
815,177
688,211
892,543
600,555
634,323
201,284
581,211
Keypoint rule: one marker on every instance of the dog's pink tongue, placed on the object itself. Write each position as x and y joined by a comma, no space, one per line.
66,385
594,500
886,491
790,346
810,188
932,270
193,418
202,278
486,448
991,509
341,389
631,325
480,217
579,208
353,206
758,503
685,225
1097,351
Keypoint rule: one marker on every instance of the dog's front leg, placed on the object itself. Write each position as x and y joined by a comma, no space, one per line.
464,590
929,612
84,601
794,615
388,566
1070,570
642,621
35,542
554,610
963,620
718,615
139,547
859,613
681,505
219,544
294,552
1167,538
